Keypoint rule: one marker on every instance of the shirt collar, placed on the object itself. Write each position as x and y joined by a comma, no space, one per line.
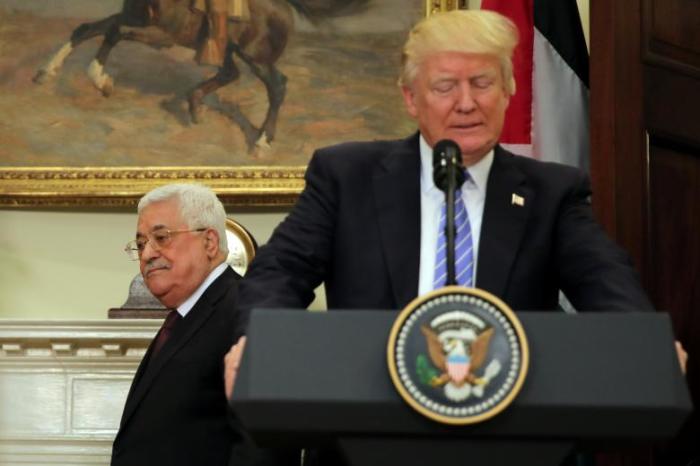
189,303
479,172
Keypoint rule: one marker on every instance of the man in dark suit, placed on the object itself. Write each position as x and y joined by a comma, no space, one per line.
360,192
176,411
367,222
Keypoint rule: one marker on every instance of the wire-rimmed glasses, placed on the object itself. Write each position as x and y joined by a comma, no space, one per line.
159,238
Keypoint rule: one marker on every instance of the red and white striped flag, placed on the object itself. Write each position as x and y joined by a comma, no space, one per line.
548,116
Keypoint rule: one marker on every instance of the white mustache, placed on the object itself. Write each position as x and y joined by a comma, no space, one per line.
155,265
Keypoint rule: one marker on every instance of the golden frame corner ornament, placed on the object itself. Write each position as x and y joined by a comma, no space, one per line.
432,305
437,6
122,187
242,246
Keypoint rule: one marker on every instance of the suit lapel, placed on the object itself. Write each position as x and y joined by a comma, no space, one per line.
397,201
508,203
148,370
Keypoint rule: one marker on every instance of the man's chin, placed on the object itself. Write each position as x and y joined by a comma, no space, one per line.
473,146
164,297
157,287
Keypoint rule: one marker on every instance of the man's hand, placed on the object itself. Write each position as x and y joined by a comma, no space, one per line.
682,356
232,361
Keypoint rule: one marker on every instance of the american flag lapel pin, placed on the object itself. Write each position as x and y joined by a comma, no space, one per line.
517,200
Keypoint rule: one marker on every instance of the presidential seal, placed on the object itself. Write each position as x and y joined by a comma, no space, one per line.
458,355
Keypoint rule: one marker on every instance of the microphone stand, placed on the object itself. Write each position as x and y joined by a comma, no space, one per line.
450,231
448,176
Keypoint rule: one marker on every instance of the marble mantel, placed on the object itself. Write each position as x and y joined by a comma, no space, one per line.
63,385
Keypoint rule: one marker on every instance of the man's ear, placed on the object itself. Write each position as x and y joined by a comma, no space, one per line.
211,242
409,100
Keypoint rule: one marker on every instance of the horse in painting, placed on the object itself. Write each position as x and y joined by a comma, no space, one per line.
258,42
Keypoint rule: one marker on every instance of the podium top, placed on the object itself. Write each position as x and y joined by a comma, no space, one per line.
592,377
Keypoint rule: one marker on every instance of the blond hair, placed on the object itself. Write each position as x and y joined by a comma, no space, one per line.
467,31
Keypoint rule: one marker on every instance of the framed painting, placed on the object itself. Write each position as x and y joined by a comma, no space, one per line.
99,107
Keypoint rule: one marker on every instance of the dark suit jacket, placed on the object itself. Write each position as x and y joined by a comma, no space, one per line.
176,412
356,226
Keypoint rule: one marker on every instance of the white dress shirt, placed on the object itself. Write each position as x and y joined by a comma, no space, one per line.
189,303
431,202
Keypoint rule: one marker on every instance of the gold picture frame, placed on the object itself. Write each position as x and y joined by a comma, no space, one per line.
57,164
122,187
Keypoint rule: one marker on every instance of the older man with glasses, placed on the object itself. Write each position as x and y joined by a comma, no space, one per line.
176,411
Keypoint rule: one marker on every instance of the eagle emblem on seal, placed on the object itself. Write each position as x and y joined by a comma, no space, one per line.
458,345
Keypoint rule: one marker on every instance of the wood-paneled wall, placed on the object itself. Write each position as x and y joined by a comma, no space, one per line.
645,161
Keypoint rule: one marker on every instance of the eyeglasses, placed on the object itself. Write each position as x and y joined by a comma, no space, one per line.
159,239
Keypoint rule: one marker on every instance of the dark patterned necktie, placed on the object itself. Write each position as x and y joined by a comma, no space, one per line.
166,329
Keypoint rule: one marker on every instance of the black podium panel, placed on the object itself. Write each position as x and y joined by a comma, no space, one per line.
595,376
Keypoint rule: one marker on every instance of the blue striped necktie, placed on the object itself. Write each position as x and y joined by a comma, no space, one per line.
464,249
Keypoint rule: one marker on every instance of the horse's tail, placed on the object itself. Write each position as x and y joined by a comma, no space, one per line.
319,9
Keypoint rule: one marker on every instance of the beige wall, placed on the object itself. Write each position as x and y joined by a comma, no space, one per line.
64,264
72,264
584,12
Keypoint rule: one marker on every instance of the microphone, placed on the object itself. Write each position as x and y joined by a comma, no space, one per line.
447,163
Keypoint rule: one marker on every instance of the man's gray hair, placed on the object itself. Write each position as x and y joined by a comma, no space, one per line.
198,207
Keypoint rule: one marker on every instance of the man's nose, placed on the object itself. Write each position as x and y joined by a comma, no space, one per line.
465,101
149,252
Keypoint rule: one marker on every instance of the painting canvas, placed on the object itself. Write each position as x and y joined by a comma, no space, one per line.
65,141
